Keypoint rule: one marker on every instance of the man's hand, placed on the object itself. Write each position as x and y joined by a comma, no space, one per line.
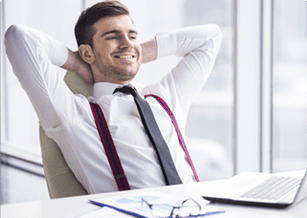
75,63
149,51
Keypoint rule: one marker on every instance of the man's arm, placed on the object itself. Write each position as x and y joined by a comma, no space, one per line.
198,46
34,57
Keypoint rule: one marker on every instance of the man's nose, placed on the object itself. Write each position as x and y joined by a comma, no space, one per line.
126,43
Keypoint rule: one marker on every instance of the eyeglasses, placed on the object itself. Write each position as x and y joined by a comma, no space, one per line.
188,207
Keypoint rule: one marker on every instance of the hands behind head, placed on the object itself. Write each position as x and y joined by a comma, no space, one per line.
75,63
83,69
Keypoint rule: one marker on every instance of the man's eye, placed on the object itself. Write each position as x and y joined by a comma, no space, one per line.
111,37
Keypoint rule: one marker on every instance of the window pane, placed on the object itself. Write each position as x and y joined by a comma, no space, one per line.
209,125
19,120
290,85
19,124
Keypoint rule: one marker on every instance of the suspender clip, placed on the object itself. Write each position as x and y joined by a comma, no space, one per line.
119,176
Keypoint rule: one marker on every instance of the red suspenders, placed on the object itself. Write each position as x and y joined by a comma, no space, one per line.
114,161
181,140
107,142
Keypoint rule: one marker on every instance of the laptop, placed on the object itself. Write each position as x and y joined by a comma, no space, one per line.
260,189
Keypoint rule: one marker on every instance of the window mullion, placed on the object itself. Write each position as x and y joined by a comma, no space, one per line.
266,89
247,82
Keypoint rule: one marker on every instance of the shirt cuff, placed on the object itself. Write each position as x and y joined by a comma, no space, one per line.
58,52
166,43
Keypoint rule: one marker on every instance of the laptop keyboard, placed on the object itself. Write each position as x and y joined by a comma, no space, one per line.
273,188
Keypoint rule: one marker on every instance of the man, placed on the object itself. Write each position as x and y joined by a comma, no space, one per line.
110,55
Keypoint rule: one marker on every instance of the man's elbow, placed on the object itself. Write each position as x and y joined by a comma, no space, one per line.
12,35
216,35
217,30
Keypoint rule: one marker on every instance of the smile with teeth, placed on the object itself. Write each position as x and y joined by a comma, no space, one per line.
124,56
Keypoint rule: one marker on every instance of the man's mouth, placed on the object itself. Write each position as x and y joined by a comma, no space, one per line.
124,56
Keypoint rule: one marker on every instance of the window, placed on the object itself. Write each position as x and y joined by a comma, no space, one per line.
20,180
210,122
290,85
19,124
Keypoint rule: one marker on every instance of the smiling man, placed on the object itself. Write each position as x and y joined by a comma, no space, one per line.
109,56
115,55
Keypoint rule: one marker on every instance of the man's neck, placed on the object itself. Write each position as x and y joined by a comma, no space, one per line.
112,80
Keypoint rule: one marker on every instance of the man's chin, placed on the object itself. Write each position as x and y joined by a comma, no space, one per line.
118,75
124,78
126,74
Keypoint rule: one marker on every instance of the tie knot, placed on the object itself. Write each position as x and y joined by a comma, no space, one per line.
128,89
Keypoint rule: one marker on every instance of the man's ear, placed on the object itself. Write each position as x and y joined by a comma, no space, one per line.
86,53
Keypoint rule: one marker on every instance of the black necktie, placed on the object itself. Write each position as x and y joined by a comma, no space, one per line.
166,162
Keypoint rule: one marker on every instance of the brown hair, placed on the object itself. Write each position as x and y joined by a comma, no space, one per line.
84,30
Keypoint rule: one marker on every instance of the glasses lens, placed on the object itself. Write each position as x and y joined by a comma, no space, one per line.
161,210
189,208
186,211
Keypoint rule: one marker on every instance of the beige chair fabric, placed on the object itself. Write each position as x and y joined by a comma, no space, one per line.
61,181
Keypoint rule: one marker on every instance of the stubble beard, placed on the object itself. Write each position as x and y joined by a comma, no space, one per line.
116,73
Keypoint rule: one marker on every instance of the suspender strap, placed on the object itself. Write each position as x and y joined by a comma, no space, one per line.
107,141
109,148
171,115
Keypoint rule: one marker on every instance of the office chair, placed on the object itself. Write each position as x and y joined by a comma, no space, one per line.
61,181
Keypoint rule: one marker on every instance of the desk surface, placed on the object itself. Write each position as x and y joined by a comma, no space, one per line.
77,206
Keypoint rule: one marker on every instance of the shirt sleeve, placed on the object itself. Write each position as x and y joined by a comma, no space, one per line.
35,58
198,45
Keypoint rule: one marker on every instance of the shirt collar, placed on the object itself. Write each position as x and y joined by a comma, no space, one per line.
105,88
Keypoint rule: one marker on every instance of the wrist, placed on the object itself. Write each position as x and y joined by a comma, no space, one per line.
149,51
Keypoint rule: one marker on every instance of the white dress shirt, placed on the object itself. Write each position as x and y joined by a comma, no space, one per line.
68,120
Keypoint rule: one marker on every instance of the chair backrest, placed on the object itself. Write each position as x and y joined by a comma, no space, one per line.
61,181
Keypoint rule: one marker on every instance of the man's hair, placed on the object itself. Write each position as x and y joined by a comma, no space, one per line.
84,30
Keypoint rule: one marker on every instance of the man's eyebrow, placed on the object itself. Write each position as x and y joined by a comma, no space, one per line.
133,31
118,32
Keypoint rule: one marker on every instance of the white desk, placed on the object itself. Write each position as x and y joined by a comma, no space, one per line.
76,206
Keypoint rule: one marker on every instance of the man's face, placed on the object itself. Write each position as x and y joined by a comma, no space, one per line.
116,50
